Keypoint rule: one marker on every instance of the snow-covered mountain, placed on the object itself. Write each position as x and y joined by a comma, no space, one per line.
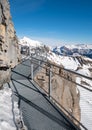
80,49
34,46
70,62
74,62
25,41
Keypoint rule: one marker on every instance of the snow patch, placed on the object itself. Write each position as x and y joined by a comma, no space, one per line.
6,116
67,62
7,110
29,42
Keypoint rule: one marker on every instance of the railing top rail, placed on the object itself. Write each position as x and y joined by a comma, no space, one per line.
89,78
58,66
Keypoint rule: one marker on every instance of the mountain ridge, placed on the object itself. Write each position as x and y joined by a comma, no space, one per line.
68,50
79,49
29,42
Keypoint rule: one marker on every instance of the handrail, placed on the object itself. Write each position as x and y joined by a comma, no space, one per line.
71,71
63,76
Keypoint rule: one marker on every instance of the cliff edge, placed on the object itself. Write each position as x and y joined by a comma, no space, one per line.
9,50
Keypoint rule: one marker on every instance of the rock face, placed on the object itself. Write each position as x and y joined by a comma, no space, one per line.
9,50
62,90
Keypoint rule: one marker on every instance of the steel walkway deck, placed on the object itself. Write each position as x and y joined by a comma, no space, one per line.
39,113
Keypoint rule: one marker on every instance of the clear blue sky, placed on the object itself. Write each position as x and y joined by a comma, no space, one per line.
53,21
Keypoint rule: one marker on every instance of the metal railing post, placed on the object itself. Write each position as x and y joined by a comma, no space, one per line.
39,65
46,56
49,90
31,71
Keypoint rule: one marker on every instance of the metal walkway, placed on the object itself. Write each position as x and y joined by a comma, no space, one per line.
39,113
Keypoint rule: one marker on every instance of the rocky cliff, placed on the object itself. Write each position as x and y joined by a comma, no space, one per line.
9,50
62,90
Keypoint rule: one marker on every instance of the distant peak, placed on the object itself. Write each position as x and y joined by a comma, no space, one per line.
29,42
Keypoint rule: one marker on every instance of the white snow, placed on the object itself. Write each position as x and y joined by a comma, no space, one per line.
74,50
54,58
29,42
6,111
85,71
6,116
79,46
67,62
85,99
86,106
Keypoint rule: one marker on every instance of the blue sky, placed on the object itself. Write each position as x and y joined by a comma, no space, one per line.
53,21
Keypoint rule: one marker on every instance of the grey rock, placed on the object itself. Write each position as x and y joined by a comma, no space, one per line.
9,50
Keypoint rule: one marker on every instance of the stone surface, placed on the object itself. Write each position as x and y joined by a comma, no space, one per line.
9,50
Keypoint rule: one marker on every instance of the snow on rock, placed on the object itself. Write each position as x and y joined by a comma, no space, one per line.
18,117
79,49
6,116
29,42
84,71
6,110
79,46
86,106
67,62
86,82
54,58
